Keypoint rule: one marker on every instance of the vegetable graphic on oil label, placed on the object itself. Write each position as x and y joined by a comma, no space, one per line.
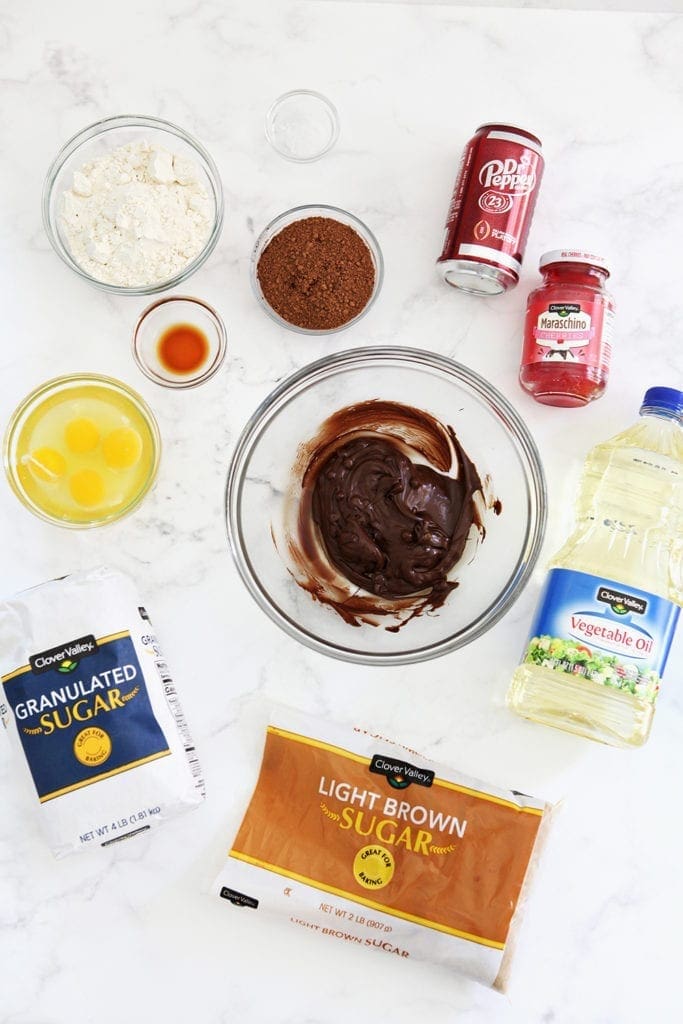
578,659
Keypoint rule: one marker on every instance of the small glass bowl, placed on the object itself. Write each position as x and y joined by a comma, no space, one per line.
302,125
98,139
79,388
165,313
258,500
302,213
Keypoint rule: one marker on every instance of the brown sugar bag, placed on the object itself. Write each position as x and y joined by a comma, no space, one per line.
353,837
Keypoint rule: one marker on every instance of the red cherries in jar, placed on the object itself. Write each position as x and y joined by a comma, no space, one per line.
567,332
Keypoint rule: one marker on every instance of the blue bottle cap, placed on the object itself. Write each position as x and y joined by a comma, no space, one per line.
663,400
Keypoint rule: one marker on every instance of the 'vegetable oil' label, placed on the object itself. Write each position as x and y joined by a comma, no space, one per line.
83,713
602,630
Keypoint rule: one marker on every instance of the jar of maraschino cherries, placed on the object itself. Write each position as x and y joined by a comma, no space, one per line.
567,332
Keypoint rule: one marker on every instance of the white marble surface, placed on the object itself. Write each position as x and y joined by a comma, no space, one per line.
129,934
564,5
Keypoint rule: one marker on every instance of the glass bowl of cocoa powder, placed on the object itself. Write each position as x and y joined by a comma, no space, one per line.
316,269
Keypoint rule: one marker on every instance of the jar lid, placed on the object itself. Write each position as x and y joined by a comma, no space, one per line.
573,256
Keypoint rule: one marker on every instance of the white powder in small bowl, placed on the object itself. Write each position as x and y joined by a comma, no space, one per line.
136,216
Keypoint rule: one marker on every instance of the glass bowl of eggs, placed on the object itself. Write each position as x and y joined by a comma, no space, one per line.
82,450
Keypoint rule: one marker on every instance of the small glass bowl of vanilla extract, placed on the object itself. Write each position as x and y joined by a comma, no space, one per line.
179,342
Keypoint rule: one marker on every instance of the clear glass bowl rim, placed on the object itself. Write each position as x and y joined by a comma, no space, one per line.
354,358
313,210
188,382
41,391
334,114
101,128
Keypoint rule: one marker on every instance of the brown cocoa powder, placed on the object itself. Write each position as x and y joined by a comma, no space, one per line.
317,273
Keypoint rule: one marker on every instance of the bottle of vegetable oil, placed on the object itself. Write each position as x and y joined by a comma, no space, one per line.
606,617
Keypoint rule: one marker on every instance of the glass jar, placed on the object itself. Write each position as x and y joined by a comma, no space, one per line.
567,332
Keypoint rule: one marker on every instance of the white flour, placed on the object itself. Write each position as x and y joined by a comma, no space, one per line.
136,216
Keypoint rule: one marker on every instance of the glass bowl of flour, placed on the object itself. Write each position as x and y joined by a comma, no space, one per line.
134,205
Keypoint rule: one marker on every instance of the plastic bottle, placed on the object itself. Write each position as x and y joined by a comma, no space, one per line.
606,617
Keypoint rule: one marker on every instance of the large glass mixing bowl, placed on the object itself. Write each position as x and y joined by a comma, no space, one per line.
490,576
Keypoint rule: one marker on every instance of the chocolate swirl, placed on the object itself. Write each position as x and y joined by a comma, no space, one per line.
386,501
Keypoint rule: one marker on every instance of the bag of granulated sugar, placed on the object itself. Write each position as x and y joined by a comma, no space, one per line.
357,840
90,708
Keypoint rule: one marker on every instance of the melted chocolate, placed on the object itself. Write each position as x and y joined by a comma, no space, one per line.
390,525
383,503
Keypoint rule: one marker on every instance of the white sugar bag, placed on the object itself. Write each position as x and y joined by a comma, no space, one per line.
89,706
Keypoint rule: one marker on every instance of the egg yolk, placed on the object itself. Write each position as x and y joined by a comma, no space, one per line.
122,448
87,488
82,435
47,464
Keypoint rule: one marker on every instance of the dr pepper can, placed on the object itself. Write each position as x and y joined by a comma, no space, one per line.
491,209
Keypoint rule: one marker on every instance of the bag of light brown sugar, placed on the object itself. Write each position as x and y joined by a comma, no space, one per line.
361,841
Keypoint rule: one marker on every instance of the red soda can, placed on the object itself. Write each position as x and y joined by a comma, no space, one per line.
491,209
